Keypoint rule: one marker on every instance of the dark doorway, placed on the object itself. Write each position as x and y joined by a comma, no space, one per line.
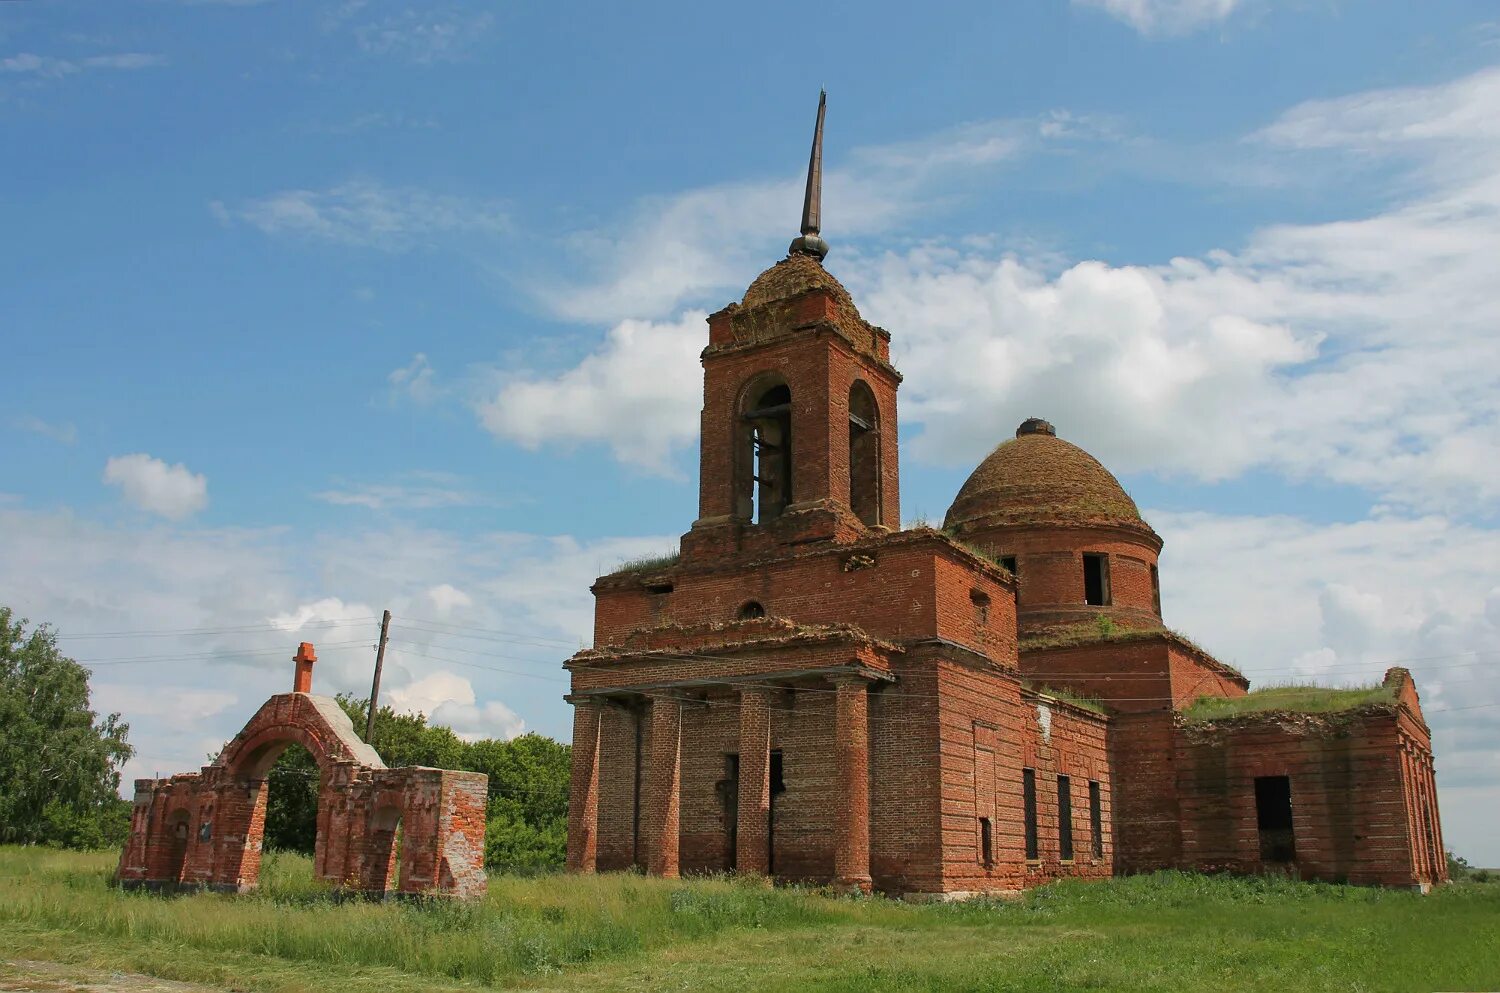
1028,802
1096,819
729,802
1096,579
177,853
778,787
1273,818
1065,818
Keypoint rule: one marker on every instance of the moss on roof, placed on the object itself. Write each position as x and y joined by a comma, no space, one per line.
647,563
1038,478
1103,630
1089,632
1067,696
1289,700
792,276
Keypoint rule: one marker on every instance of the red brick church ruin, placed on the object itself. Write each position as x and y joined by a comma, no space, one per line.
203,829
810,692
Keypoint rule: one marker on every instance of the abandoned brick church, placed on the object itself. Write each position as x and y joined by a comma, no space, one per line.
812,693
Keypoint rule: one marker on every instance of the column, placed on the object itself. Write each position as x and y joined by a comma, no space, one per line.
753,829
583,794
663,786
851,856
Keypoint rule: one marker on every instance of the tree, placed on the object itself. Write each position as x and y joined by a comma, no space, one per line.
528,808
59,763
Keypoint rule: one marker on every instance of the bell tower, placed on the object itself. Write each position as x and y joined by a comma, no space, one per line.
799,407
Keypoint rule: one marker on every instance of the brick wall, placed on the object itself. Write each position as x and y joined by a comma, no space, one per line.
205,829
1351,780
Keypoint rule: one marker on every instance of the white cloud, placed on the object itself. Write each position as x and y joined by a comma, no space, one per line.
424,35
150,484
1165,17
448,699
675,249
639,393
1360,351
415,381
414,490
367,214
447,598
50,67
61,432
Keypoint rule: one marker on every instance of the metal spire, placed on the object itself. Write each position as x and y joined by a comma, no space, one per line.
812,201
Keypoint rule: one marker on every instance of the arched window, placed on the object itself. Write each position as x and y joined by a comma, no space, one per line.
752,611
864,454
764,460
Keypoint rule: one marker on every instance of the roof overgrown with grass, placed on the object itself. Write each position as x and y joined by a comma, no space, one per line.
1290,700
1066,696
648,563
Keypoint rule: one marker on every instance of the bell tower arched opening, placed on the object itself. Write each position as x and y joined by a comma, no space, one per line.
864,453
764,451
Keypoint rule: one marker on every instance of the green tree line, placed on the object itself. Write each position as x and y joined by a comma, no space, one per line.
60,765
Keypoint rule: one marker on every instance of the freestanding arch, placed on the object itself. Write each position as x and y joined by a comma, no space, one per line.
223,808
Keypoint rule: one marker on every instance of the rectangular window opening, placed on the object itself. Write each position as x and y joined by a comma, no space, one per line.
1096,819
1065,817
1273,818
1009,562
1096,579
1028,802
986,842
1156,590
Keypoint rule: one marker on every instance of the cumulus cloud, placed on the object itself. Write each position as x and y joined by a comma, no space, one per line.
172,491
1360,351
368,214
1165,17
639,393
449,699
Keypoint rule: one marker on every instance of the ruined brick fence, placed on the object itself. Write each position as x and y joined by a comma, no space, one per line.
204,829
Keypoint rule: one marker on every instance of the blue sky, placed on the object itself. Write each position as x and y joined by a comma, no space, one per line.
316,308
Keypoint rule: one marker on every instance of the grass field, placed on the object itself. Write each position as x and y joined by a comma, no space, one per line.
619,932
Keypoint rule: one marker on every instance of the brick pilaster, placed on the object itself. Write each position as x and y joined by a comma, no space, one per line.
851,856
583,795
753,829
663,787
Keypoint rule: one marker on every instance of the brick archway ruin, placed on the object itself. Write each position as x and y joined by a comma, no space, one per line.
204,829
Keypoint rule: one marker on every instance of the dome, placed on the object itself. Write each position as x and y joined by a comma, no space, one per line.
1037,478
793,276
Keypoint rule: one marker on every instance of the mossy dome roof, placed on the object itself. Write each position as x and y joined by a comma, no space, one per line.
1037,478
792,276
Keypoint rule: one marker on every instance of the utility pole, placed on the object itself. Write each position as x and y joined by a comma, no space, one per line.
385,630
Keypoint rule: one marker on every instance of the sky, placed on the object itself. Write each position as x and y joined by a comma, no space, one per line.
316,308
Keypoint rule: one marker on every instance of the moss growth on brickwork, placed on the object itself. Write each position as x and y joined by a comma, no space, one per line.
1087,703
1090,632
1290,700
648,563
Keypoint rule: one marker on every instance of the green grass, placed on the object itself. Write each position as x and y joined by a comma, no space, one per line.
1166,932
648,563
1289,699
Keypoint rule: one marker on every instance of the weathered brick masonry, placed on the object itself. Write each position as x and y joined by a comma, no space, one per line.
204,829
809,692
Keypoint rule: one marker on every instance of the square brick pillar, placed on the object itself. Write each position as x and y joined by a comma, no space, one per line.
851,830
753,828
663,787
583,794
